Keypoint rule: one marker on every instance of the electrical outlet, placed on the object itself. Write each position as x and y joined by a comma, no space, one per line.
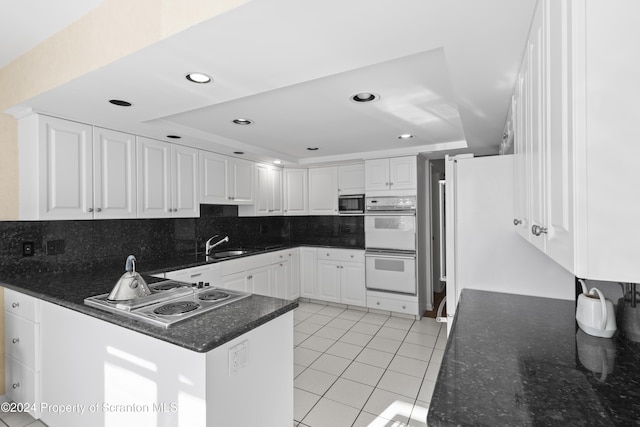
27,248
55,247
238,357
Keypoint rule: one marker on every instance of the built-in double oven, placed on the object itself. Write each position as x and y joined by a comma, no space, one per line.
390,243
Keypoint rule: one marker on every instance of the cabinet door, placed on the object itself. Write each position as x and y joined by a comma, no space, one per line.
280,279
521,189
66,169
376,175
329,281
560,136
308,272
114,165
353,291
402,173
296,199
277,205
154,172
351,179
323,191
263,190
293,284
240,181
235,282
259,281
537,133
184,179
213,178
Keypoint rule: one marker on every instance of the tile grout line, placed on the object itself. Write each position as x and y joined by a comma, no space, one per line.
386,369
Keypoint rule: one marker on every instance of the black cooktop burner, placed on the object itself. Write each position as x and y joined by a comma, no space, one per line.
167,286
176,308
213,296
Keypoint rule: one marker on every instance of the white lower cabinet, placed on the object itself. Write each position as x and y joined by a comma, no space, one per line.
308,272
125,378
22,349
397,303
340,277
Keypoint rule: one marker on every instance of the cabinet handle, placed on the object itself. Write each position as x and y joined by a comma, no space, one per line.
404,307
15,340
99,210
15,385
286,210
390,184
281,256
280,265
196,275
386,183
327,254
337,266
90,209
377,302
289,254
249,277
15,305
517,221
537,230
351,256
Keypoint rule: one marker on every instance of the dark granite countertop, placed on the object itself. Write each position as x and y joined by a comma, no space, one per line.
200,333
516,360
195,260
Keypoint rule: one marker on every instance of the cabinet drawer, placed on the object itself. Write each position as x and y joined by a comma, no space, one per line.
21,340
22,384
395,305
203,273
21,305
281,256
344,255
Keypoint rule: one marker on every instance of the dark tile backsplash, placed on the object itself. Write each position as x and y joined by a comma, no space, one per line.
89,244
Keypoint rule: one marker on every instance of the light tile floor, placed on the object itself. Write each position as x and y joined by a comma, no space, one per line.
19,419
356,368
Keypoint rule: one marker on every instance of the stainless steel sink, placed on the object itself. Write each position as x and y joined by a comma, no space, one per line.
230,253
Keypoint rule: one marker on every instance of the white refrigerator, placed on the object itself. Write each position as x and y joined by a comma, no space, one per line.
482,249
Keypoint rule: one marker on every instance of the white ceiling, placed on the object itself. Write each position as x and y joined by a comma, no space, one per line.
26,23
444,70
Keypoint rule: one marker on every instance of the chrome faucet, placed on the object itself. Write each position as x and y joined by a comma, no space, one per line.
209,246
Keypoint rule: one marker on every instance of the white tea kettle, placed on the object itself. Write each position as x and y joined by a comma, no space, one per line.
595,314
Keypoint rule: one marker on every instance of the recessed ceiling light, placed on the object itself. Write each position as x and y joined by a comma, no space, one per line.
174,136
277,162
242,121
120,103
405,136
364,97
238,152
198,78
312,148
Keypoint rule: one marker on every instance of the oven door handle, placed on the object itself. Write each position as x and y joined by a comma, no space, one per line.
388,255
391,213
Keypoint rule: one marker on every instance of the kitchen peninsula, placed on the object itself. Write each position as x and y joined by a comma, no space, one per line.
530,365
112,370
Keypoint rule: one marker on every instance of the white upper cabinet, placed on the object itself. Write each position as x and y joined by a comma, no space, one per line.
213,178
69,170
393,176
268,192
225,180
167,180
351,179
296,196
323,191
575,138
240,181
114,174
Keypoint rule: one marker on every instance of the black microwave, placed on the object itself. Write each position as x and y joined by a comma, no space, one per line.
352,204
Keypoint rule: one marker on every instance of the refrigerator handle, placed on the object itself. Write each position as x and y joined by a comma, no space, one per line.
443,258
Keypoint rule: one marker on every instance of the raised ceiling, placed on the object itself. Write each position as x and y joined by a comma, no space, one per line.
444,71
